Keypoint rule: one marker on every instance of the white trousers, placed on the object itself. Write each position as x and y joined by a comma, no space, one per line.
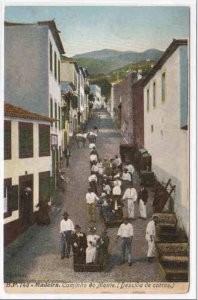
142,209
131,209
90,254
151,249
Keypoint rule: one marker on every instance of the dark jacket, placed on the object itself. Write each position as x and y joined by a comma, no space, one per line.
143,194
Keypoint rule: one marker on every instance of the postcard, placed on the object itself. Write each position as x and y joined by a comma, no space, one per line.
99,143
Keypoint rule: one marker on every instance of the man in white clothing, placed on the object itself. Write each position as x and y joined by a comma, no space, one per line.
131,196
126,179
150,237
66,230
117,187
93,158
125,232
91,199
130,168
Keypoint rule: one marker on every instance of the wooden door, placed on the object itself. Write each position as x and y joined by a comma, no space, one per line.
26,199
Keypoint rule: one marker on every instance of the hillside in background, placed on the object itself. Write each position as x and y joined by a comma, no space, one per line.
105,80
106,60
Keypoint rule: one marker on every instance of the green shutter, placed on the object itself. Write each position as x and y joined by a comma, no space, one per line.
13,197
7,140
74,102
52,185
45,188
44,140
26,146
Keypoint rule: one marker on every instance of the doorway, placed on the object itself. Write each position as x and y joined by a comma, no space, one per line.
26,200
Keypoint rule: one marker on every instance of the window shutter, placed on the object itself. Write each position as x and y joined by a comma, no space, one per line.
7,140
44,140
45,188
52,185
13,197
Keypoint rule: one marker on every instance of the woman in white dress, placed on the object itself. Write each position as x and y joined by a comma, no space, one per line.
92,240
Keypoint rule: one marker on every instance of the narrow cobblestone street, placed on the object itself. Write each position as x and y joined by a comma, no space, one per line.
39,259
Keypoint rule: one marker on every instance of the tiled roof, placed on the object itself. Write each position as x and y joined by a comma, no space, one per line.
169,51
17,112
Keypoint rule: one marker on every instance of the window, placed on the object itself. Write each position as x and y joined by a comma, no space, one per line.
51,65
147,99
44,186
163,86
44,140
55,113
25,140
59,117
154,94
51,109
7,139
55,65
7,186
59,71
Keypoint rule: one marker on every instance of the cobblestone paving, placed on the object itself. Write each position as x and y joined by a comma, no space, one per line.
39,259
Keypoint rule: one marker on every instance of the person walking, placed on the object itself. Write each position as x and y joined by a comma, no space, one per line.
150,237
91,199
143,198
131,196
125,233
66,230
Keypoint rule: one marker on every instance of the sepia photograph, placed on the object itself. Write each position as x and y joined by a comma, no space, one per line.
97,148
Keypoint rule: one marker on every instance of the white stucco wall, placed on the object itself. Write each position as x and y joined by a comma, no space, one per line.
82,96
168,144
26,67
15,167
29,83
112,101
54,86
67,71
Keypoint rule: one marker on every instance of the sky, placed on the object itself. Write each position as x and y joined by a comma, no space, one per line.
124,28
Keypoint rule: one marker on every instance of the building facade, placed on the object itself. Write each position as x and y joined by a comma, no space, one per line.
166,135
36,70
96,91
27,164
70,99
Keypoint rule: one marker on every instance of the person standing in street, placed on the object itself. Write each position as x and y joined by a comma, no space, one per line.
143,198
91,199
150,237
93,182
126,179
66,230
131,196
79,245
125,233
67,154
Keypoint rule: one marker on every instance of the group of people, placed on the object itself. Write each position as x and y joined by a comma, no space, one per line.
111,185
86,249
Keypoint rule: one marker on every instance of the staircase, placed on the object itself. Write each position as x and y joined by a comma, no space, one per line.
172,247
